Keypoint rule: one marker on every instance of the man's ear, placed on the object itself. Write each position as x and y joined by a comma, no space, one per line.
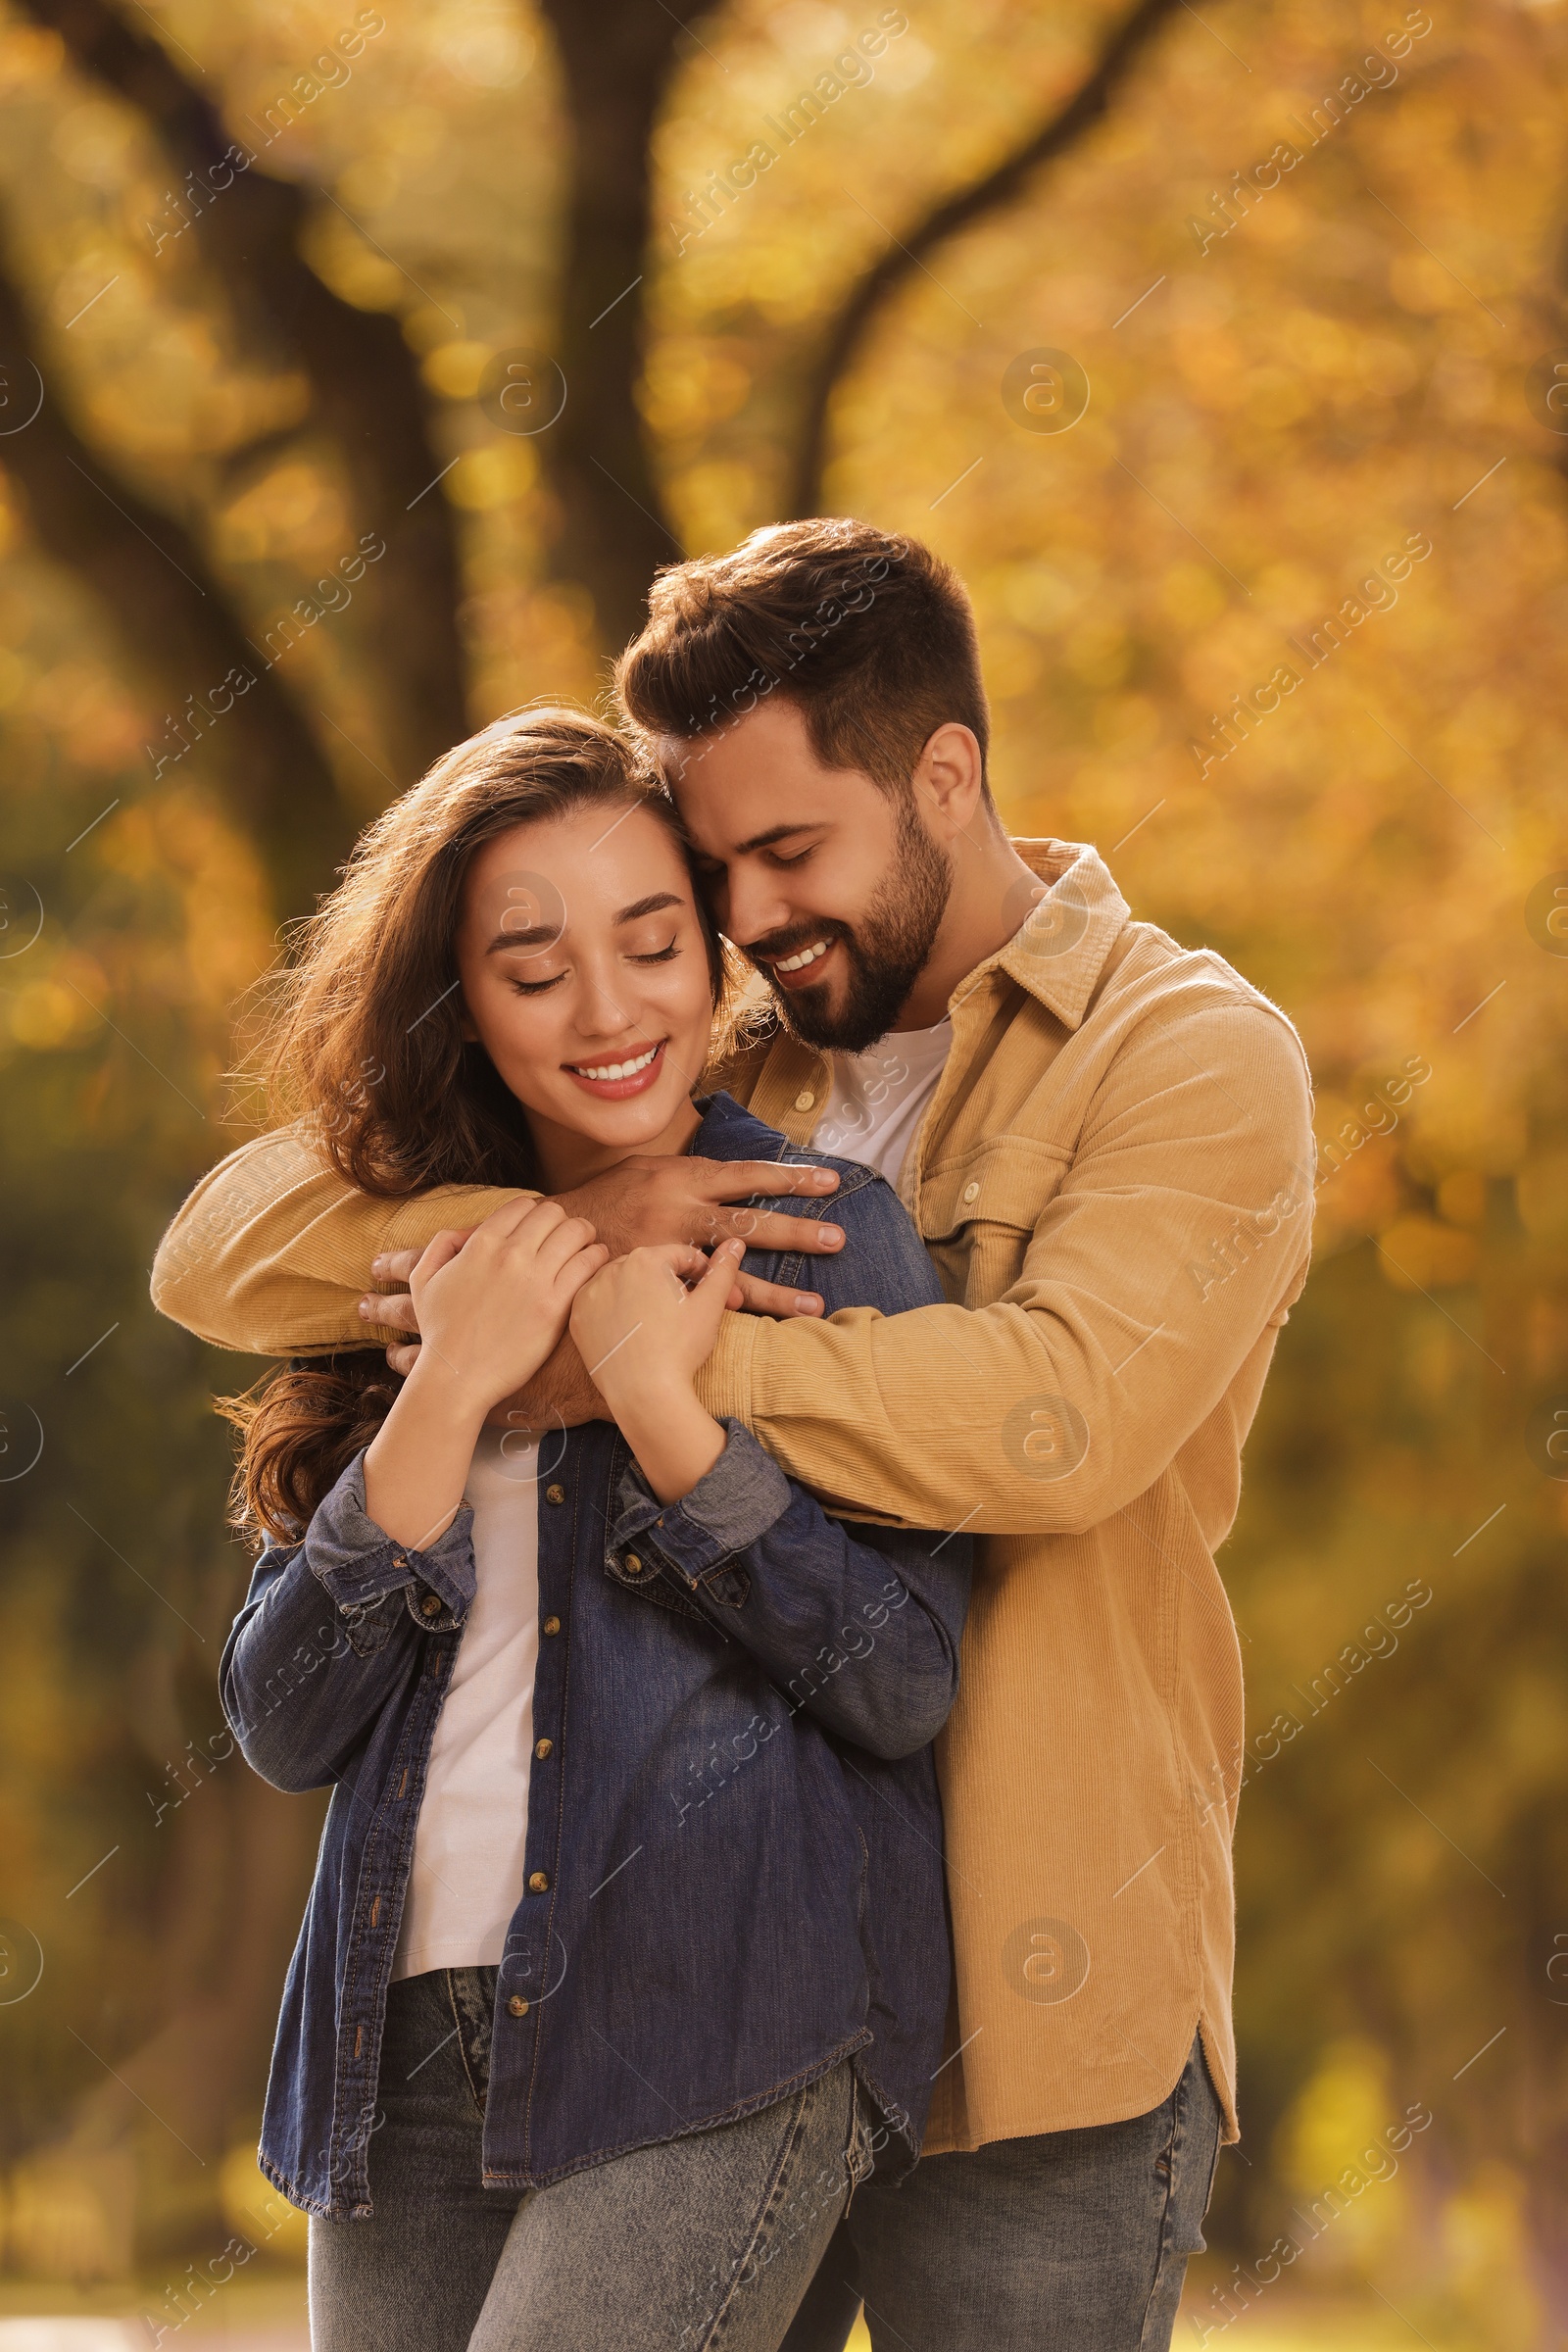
949,779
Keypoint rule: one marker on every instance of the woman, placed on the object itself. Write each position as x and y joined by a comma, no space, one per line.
628,1944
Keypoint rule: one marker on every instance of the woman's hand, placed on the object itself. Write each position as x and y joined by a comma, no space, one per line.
493,1303
642,1333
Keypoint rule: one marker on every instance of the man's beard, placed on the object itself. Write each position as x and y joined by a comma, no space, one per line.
885,953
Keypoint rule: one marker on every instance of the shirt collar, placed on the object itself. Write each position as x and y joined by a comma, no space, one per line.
1060,947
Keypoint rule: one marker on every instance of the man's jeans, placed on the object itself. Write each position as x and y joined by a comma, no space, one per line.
704,2240
1072,2241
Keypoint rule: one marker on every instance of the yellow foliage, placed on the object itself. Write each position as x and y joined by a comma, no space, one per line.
257,2211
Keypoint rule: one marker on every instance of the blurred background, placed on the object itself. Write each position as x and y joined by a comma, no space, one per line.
358,366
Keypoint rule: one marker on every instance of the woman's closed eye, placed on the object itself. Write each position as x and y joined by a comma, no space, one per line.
664,954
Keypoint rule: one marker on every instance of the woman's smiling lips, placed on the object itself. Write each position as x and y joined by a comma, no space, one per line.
628,1074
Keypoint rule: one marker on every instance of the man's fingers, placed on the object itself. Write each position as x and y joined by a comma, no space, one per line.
404,1356
771,1229
394,1265
738,1179
761,1298
394,1309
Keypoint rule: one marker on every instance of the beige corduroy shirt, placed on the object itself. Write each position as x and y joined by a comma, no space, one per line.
1114,1179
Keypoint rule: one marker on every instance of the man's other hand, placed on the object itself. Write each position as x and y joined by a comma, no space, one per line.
667,1198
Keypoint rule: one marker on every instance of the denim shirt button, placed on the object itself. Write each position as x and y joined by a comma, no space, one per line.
538,1882
552,1624
430,1605
634,1566
517,2006
555,1493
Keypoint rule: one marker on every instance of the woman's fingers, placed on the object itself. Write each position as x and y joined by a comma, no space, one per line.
558,1243
526,1214
712,1295
581,1267
438,1253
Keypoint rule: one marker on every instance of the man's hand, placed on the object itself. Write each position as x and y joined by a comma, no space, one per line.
560,1395
648,1200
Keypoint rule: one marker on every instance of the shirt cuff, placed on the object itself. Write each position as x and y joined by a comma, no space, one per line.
358,1563
730,1507
723,1384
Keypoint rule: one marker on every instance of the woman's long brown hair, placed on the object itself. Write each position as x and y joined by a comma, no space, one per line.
361,1048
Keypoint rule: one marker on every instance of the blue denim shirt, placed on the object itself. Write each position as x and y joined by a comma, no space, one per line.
733,1874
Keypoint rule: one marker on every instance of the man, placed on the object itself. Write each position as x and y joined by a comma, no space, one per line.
1104,1140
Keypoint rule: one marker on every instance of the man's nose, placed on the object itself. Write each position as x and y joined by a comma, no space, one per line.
757,910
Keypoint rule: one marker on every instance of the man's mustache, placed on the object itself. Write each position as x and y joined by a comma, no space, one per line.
779,944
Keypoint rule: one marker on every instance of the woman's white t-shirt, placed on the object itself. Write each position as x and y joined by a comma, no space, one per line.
468,1849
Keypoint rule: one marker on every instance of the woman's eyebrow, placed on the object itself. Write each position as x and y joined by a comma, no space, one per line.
649,906
539,935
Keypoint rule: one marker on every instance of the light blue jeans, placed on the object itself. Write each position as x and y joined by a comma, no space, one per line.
1071,2241
701,2242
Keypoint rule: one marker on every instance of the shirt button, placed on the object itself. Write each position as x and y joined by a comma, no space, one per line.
555,1493
552,1624
971,1191
398,1560
538,1882
517,2006
542,1748
430,1605
634,1566
805,1100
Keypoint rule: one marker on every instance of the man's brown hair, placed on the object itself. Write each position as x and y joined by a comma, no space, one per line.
868,633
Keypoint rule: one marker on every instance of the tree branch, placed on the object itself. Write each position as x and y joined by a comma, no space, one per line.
945,219
617,60
365,382
173,615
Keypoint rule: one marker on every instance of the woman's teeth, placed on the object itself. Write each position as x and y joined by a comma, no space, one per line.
613,1069
797,963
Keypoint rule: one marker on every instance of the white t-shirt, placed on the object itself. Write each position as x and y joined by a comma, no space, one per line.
879,1098
466,1879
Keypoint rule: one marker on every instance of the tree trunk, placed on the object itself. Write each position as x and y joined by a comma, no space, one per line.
173,615
366,388
617,60
875,287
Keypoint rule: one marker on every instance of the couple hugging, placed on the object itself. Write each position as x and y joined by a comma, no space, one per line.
818,1215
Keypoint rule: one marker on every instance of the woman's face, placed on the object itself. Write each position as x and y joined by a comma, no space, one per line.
584,976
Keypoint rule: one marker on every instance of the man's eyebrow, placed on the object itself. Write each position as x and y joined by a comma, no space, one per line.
765,841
